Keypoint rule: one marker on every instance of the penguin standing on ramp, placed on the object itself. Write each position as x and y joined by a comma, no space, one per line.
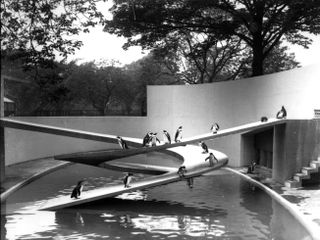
122,143
146,139
282,113
76,192
214,128
127,179
178,135
166,137
204,147
154,140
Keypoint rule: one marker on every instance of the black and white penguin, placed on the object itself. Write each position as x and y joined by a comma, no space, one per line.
76,192
154,140
146,139
204,147
178,135
264,119
282,113
181,171
127,179
211,158
122,143
166,137
251,167
215,127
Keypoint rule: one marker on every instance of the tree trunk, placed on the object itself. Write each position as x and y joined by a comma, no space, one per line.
257,61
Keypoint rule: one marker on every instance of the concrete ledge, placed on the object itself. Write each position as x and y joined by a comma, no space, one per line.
311,227
30,179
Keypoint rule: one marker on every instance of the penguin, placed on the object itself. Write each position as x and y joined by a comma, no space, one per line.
178,135
146,139
204,147
251,167
76,192
154,140
264,119
181,171
214,128
122,143
127,179
211,157
166,137
282,113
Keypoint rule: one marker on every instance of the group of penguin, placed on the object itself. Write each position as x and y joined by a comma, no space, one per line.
151,140
282,114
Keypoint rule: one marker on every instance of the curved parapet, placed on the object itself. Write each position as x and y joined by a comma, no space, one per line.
193,160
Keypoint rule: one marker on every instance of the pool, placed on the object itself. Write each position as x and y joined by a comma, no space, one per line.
221,205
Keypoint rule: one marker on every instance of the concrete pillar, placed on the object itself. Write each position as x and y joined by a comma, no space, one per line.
278,160
2,143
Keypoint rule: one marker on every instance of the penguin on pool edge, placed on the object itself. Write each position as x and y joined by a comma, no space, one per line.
76,192
127,179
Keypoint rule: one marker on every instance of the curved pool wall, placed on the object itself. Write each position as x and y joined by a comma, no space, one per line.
310,226
214,200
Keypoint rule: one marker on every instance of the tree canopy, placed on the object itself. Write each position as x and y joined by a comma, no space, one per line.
261,24
37,30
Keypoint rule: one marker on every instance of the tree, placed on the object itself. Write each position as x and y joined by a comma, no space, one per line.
94,84
261,24
38,29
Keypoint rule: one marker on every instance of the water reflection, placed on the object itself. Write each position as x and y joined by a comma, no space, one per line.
219,206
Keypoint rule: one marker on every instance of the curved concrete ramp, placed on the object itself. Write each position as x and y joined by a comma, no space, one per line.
97,157
194,161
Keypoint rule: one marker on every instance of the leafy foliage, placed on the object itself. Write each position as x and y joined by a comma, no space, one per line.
261,24
39,29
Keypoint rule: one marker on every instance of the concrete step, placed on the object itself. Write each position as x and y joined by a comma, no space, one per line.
315,164
300,176
292,184
309,170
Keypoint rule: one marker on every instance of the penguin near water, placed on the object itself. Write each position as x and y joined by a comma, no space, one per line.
214,128
76,192
282,113
166,137
122,143
127,179
178,135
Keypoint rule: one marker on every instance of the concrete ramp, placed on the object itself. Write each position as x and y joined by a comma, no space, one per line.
98,157
194,161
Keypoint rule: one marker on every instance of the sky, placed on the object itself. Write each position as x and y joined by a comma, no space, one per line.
99,45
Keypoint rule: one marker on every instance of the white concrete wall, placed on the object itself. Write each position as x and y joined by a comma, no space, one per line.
195,107
234,103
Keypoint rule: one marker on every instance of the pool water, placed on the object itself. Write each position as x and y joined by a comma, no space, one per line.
220,206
